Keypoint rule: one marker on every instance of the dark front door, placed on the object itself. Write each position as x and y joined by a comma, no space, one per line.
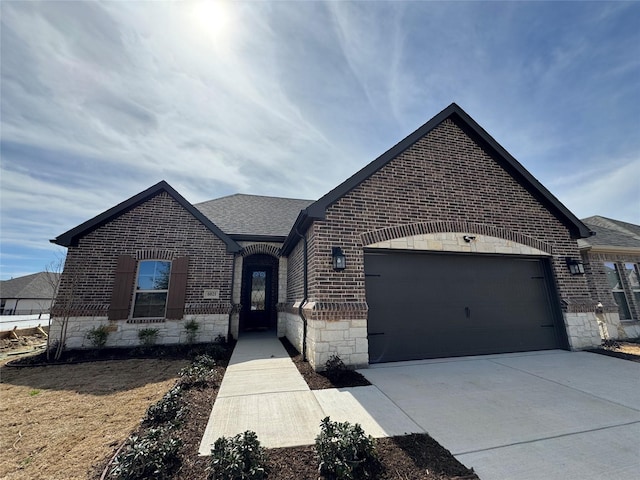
259,293
440,305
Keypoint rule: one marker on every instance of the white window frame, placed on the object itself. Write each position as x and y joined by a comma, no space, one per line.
620,289
138,291
635,290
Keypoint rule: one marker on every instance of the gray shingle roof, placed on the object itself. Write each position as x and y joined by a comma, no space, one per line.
611,233
36,285
253,215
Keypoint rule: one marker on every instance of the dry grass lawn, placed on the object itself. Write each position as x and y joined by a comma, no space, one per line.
57,422
629,348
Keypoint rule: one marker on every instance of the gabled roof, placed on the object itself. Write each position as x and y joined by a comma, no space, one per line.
71,237
610,233
249,217
39,285
317,210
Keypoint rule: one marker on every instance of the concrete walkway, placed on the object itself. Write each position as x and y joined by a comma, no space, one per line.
263,391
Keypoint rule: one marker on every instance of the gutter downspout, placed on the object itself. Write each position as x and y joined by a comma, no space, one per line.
233,281
306,295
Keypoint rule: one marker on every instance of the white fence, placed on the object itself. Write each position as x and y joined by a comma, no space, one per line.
9,322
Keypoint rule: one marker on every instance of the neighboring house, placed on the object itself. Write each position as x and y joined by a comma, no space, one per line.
31,294
612,263
443,246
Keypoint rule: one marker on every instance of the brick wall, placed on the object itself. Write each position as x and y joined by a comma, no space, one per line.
443,177
158,228
445,182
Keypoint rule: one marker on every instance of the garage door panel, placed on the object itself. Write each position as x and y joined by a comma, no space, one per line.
435,305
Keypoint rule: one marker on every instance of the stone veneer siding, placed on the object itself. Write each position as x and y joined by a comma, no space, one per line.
158,228
124,334
448,181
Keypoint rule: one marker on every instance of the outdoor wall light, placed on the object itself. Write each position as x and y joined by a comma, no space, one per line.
468,238
339,260
575,266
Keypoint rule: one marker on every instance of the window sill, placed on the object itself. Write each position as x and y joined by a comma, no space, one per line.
146,320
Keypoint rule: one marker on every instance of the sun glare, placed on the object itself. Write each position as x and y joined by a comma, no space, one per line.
213,17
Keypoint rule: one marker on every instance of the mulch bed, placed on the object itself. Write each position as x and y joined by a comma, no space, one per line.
614,353
322,380
411,457
182,351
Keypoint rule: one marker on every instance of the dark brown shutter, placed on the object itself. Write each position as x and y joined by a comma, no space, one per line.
122,288
177,288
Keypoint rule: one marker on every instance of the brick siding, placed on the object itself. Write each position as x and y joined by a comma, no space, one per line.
444,177
445,182
158,228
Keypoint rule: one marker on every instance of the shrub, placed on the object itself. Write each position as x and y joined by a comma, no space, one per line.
238,458
154,455
335,368
98,336
191,327
610,344
168,409
345,451
148,336
199,373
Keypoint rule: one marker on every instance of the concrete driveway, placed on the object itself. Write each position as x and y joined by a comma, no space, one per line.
536,415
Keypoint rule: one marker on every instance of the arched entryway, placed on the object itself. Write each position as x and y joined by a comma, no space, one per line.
259,293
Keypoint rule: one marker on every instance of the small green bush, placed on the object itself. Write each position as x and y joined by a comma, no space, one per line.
345,452
169,409
610,344
238,458
335,368
191,327
199,373
154,455
148,336
98,336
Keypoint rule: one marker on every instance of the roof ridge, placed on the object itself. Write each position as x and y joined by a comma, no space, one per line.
613,224
252,195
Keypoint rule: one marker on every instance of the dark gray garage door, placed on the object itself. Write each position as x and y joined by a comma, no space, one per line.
442,305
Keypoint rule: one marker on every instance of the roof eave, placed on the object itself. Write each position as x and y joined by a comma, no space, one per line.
317,210
300,226
579,229
71,237
245,237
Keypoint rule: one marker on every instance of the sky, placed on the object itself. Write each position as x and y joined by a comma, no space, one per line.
99,101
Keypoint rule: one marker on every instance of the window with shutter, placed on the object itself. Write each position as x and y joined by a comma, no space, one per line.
177,288
158,288
617,289
152,287
122,288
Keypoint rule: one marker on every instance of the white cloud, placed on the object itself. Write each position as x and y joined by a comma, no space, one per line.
611,190
101,100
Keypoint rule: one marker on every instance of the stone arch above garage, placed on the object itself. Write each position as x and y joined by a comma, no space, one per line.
447,236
